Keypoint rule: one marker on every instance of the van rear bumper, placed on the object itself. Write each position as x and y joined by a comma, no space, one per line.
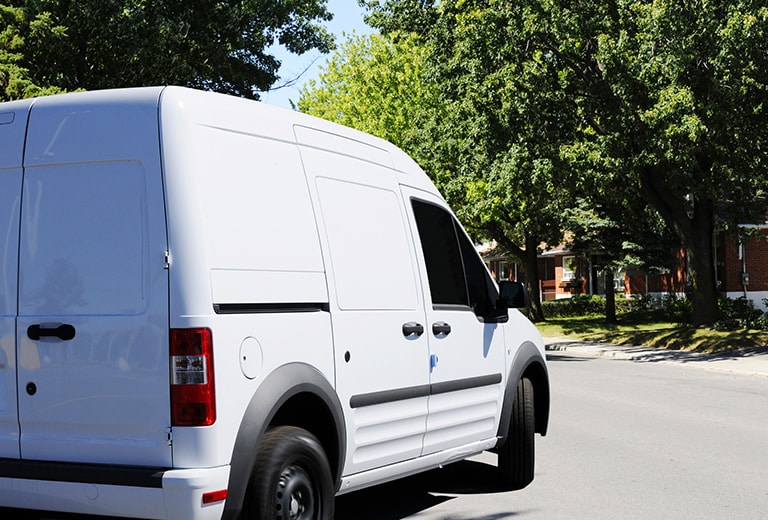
125,491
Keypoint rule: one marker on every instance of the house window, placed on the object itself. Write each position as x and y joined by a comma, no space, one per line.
569,268
503,271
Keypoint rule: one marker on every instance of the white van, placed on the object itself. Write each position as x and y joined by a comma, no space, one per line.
216,308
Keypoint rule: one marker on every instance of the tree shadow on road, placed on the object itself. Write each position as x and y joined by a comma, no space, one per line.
412,495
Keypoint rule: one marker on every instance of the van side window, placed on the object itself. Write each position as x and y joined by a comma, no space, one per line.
456,273
441,254
476,275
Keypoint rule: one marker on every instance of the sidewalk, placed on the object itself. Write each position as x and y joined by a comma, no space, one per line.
753,362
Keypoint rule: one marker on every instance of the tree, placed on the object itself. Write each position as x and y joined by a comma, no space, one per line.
688,83
373,84
220,46
15,82
493,151
611,243
668,96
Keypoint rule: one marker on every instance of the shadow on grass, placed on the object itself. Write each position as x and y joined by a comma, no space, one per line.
633,332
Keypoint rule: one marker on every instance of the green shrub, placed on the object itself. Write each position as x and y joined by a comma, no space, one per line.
641,308
579,305
737,313
677,310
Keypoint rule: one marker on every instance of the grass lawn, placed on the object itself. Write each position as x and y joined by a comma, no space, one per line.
657,335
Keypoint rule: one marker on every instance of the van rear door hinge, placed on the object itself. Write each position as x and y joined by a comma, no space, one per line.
167,260
169,431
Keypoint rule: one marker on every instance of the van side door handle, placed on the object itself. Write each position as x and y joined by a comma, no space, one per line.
412,329
64,332
440,328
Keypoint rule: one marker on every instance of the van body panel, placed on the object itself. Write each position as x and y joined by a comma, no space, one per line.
10,198
238,286
13,126
332,141
93,127
238,206
13,129
91,260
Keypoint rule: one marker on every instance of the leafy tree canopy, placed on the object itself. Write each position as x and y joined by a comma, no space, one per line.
372,83
220,46
15,82
666,97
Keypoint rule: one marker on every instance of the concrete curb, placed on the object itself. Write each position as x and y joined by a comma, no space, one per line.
752,363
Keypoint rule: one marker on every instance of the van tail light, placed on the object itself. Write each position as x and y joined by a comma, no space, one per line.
193,396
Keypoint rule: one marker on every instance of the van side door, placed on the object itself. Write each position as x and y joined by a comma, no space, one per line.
377,310
13,124
467,348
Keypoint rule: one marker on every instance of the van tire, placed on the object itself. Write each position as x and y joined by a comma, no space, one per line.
291,478
517,454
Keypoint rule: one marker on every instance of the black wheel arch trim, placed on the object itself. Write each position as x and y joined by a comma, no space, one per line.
280,386
529,362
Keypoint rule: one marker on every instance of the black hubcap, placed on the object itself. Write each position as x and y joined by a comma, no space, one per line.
295,496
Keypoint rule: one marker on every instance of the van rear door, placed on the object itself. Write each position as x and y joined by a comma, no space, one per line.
13,123
93,289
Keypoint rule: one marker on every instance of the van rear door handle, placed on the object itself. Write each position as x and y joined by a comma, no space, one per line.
440,328
412,329
64,332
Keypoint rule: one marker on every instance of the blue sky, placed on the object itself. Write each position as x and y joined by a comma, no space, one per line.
347,17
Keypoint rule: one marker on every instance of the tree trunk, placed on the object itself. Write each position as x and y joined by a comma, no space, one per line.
610,298
696,230
531,266
701,268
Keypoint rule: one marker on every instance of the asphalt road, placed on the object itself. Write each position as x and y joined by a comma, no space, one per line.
627,440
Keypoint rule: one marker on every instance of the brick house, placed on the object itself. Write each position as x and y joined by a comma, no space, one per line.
562,274
742,267
741,270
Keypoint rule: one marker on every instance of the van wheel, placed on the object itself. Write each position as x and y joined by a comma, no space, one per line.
291,479
516,456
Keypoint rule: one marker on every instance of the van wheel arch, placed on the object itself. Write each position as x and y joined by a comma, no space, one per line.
293,395
529,364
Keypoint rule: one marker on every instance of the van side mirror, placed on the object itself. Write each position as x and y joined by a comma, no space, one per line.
514,294
499,313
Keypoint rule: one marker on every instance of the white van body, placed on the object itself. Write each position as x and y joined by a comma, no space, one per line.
134,221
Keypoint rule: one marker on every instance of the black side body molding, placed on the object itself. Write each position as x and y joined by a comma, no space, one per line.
109,475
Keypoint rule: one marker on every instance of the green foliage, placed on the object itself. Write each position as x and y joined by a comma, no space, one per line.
579,305
637,309
739,313
221,46
17,30
375,84
548,99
